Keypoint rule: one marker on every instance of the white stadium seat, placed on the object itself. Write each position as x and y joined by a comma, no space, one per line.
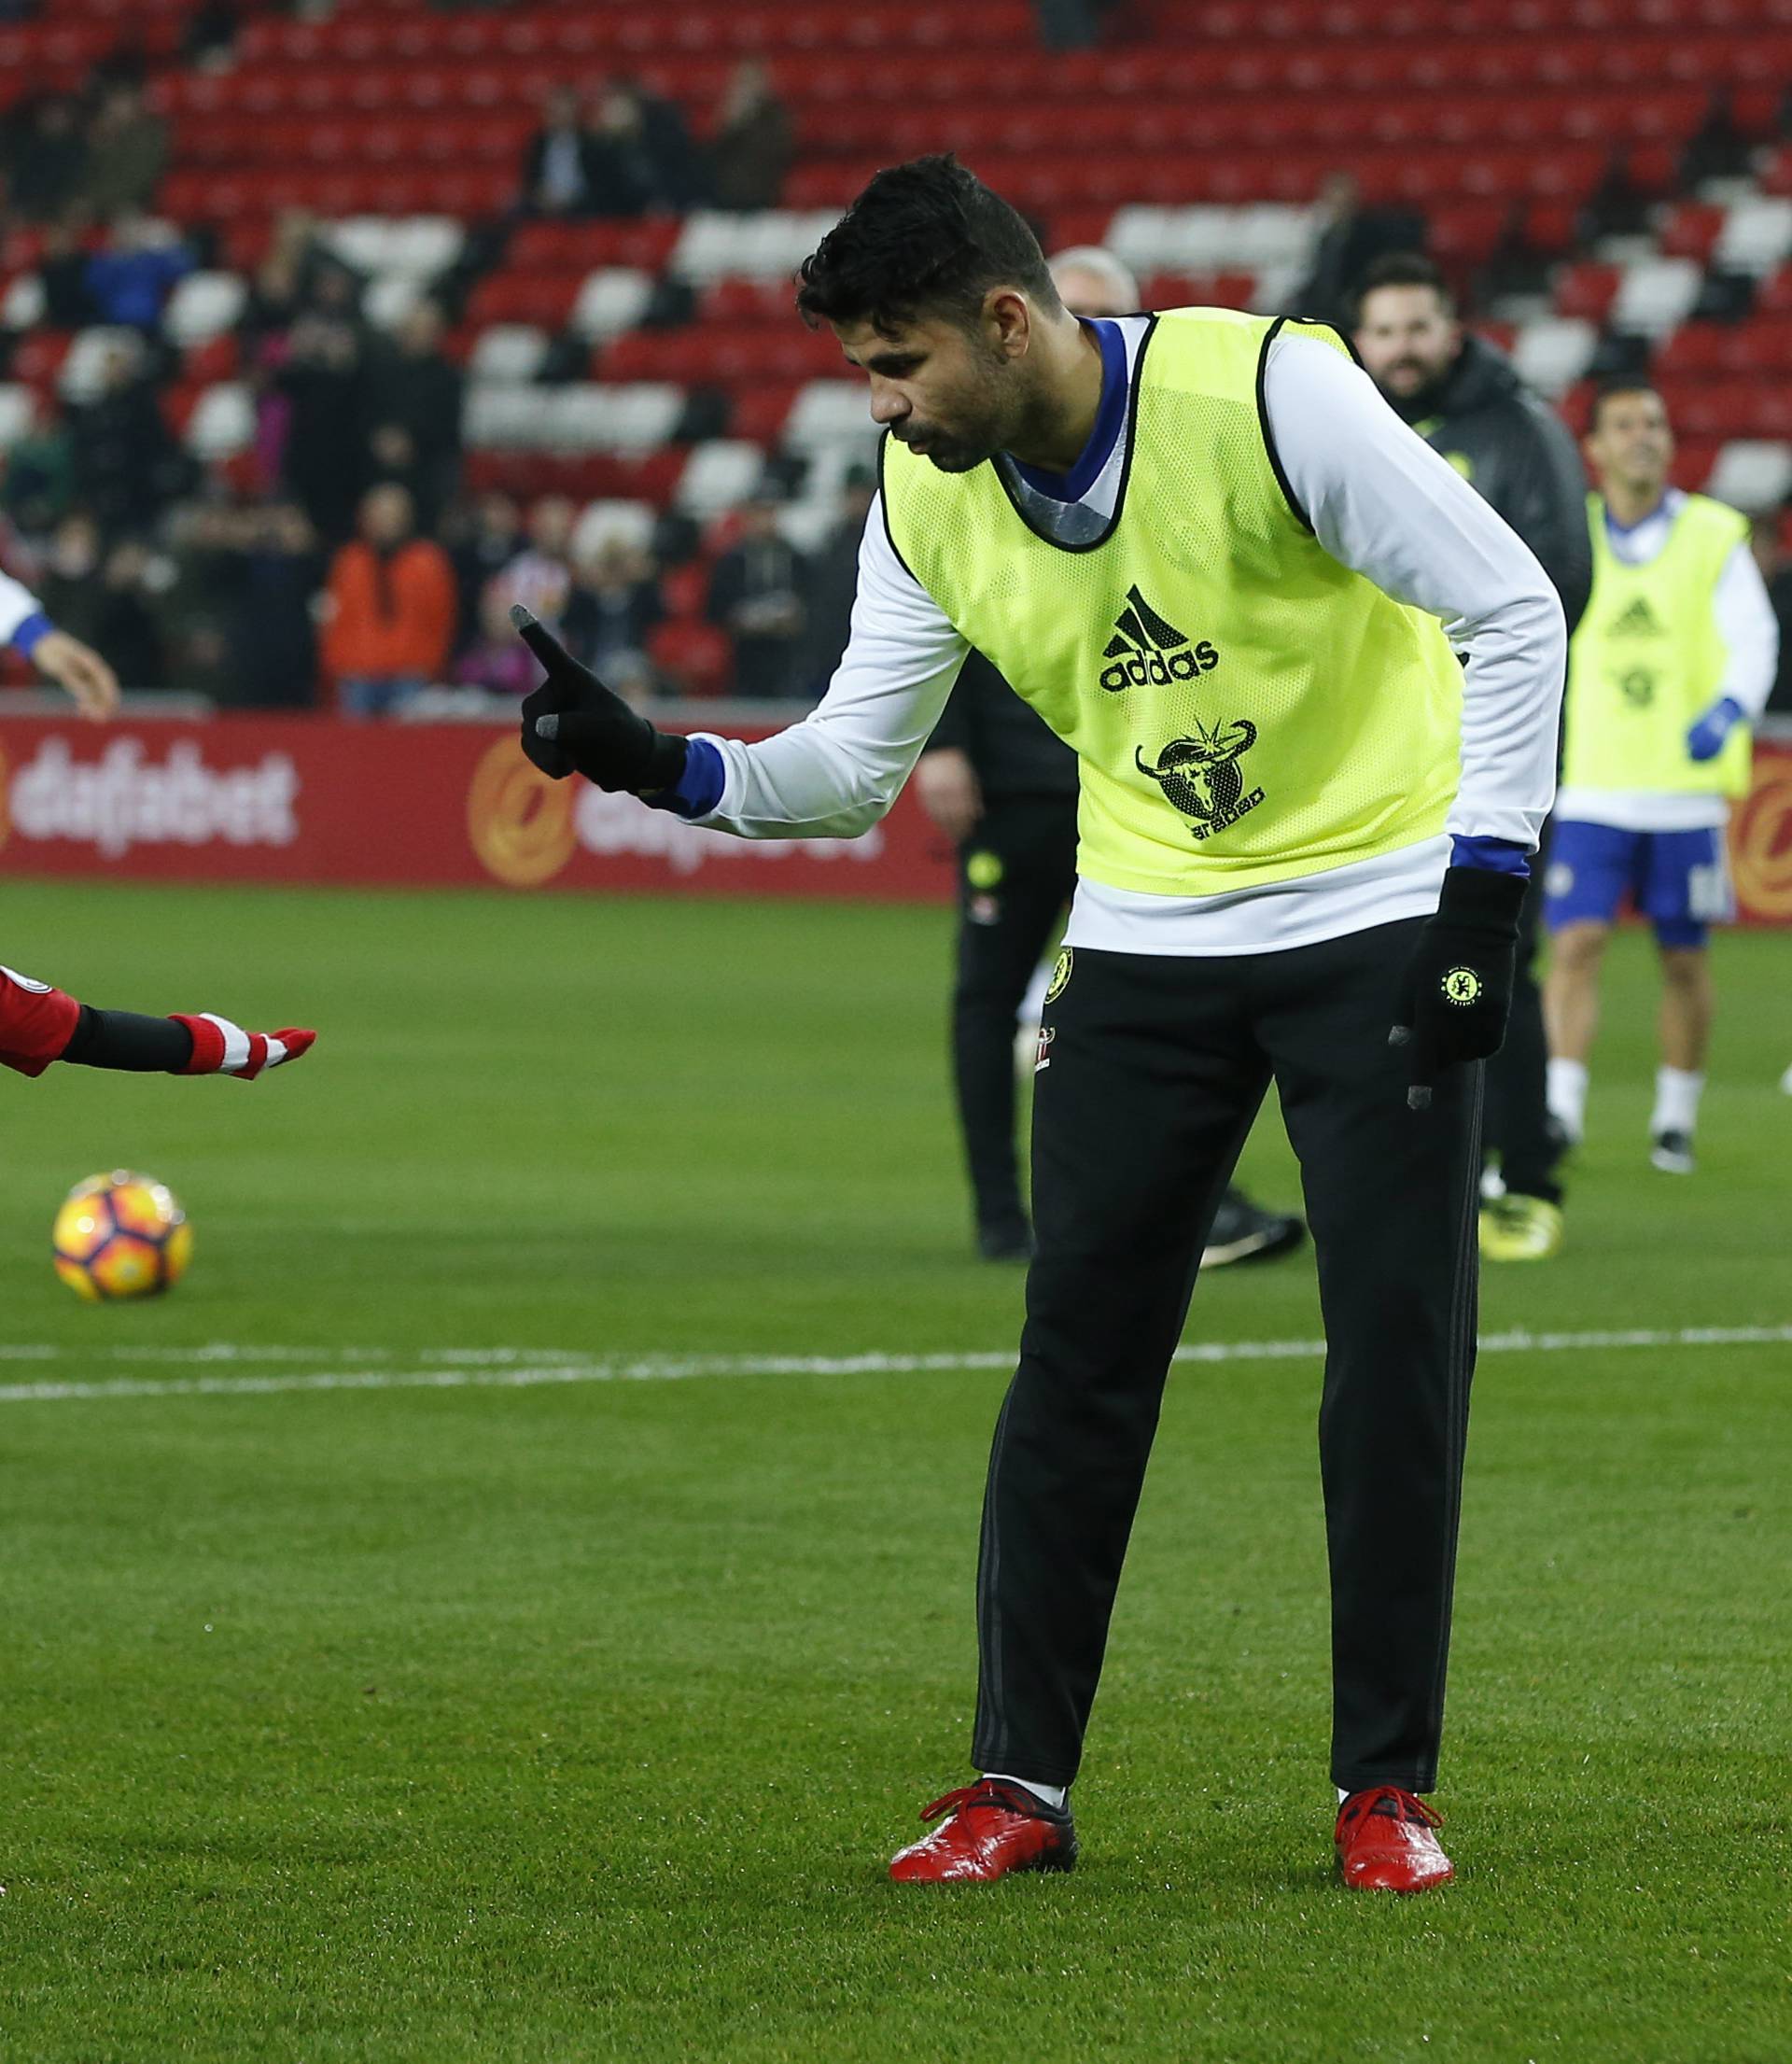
1207,239
512,351
1656,295
830,411
84,369
23,306
501,415
640,417
425,244
1752,475
602,522
1271,234
223,423
417,245
719,476
17,414
580,417
769,245
614,299
1757,235
1553,353
203,305
389,298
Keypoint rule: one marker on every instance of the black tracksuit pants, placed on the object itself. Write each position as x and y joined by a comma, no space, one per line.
1519,1125
1016,872
1155,1070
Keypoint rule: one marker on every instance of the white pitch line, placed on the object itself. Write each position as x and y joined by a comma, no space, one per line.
521,1369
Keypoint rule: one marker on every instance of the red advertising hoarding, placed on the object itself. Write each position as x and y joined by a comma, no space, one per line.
310,799
304,799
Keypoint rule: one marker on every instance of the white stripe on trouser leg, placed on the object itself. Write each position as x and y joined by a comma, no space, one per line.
236,1044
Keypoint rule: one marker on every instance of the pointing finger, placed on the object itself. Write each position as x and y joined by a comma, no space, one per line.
541,640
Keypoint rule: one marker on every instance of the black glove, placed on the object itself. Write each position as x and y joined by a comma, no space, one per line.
573,724
1457,990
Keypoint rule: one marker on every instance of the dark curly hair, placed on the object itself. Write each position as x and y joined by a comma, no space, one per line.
924,238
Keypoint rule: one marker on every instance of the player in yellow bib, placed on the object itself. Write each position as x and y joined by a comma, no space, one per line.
1670,664
1206,552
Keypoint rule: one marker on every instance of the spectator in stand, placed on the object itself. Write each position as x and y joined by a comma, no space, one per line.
49,162
497,659
67,585
390,611
756,596
1351,238
833,581
1766,537
482,540
273,637
127,153
556,170
105,599
207,40
415,387
1070,24
38,479
127,465
62,267
129,282
325,463
676,177
539,576
126,628
615,602
625,173
282,285
753,144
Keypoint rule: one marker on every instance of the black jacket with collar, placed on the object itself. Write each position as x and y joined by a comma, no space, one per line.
1516,454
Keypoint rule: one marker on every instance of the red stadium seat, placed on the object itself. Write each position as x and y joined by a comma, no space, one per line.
694,657
1587,290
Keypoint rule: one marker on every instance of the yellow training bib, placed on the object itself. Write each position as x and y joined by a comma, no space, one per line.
1245,708
1645,661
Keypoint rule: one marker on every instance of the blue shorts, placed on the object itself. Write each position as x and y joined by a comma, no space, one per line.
1679,881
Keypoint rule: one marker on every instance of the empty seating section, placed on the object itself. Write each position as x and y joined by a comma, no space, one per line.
1195,147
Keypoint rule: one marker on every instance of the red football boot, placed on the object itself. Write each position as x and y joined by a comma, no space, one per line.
1385,1843
990,1830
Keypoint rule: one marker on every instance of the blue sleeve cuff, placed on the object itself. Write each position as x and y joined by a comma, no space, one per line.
698,789
26,637
1494,856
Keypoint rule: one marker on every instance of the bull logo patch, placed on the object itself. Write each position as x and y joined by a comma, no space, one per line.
1200,776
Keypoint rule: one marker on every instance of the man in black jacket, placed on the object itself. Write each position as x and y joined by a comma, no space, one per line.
1004,788
1465,398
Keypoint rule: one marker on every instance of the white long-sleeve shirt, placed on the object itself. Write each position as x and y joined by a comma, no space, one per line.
1751,636
18,604
1383,503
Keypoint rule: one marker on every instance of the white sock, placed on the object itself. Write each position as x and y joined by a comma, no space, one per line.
1676,1100
1053,1795
1566,1096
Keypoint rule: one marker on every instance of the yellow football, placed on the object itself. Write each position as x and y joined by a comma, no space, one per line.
121,1236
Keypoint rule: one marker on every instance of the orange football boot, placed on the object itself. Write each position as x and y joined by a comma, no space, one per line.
990,1830
1385,1842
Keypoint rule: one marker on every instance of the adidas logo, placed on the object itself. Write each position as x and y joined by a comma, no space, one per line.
1147,650
1638,621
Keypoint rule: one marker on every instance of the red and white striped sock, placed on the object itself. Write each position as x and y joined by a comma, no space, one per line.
222,1048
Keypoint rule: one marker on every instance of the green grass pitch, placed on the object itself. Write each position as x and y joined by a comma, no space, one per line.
432,1721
